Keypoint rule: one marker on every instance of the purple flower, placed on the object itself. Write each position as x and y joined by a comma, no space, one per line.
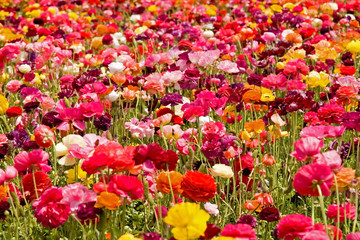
18,137
87,211
103,122
351,120
172,98
248,219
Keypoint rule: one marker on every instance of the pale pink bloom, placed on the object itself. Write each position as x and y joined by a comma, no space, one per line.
171,132
307,148
268,37
173,77
322,131
211,208
36,159
153,84
76,194
277,120
47,103
330,158
13,86
204,58
10,172
228,66
140,129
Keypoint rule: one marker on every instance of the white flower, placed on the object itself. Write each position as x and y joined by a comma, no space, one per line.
61,149
211,208
208,34
221,170
116,67
111,97
24,68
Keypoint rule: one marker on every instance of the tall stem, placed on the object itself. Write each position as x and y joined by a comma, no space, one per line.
321,198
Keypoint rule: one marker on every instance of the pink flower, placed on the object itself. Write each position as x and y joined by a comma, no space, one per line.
322,131
69,116
353,236
36,159
92,109
239,231
345,208
307,148
49,210
315,234
273,81
310,176
330,158
76,194
204,58
268,37
129,187
13,86
214,129
228,66
294,226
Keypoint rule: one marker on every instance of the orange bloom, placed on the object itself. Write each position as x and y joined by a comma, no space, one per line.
294,37
3,192
129,93
344,178
255,126
108,200
253,205
162,182
268,160
119,78
230,153
264,199
252,95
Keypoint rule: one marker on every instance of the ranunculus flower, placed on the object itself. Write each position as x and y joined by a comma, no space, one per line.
239,231
188,220
312,175
34,160
293,226
269,214
307,148
345,209
221,170
198,186
128,187
108,200
42,180
163,184
49,210
44,137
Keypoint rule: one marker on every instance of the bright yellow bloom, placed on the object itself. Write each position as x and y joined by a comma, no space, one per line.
211,10
81,176
354,46
266,95
128,236
317,79
188,220
223,238
4,104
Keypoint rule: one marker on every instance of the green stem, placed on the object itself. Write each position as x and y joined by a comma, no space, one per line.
321,198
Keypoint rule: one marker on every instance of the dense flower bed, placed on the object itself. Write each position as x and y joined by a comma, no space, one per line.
165,119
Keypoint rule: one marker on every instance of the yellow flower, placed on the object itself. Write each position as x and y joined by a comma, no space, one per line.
4,104
128,236
188,220
73,16
211,10
354,46
223,238
81,176
152,9
317,79
266,95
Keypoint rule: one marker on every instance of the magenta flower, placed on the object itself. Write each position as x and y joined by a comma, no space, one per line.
49,210
294,226
310,176
330,158
239,231
71,116
273,81
345,209
76,194
92,109
307,148
322,131
34,160
353,236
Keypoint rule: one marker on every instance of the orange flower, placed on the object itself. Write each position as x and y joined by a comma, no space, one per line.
252,95
253,205
230,153
119,78
294,38
344,178
268,160
3,192
255,126
162,182
264,199
129,93
108,200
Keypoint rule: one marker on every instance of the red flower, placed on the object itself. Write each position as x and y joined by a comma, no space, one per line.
293,226
348,70
42,180
44,137
239,231
331,113
198,186
309,176
126,186
166,161
13,112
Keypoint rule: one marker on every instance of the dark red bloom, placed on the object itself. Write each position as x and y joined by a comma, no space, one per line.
269,214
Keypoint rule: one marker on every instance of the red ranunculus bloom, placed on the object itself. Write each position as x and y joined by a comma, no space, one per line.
293,226
198,186
13,112
42,180
239,231
126,186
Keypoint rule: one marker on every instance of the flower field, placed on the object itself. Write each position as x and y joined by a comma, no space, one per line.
171,119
